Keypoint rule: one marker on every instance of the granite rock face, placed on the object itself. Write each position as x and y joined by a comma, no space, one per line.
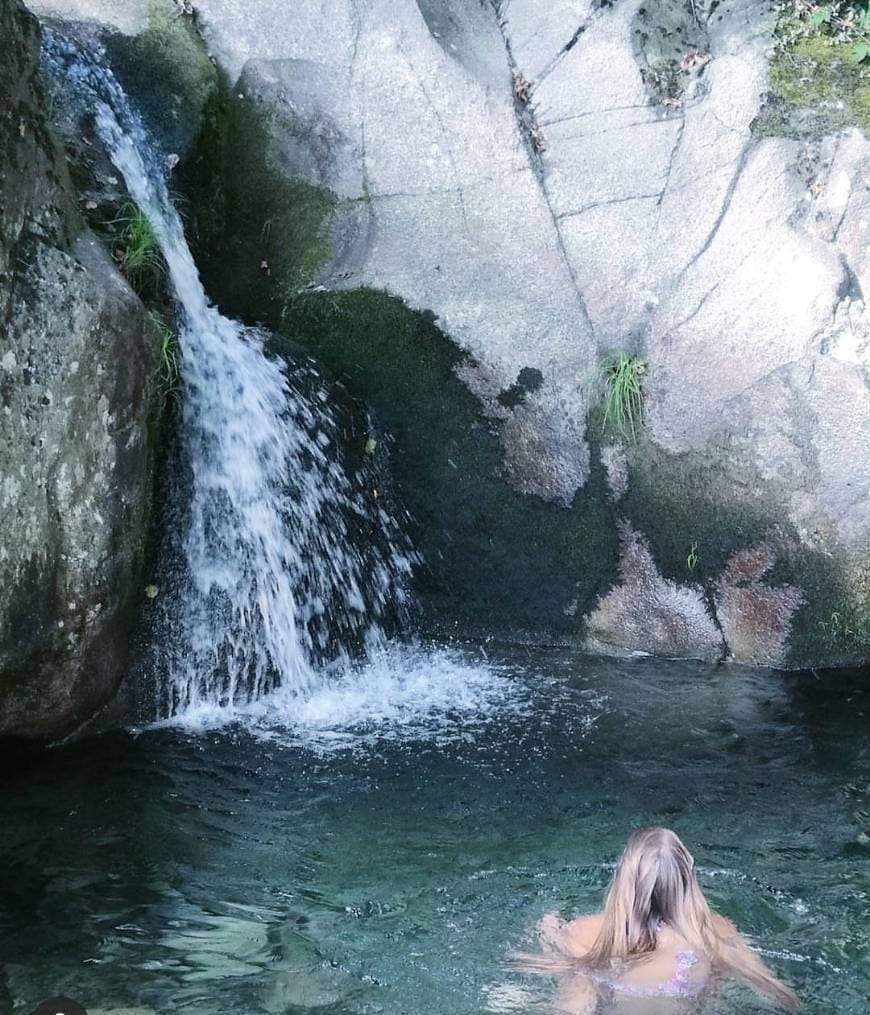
76,360
561,182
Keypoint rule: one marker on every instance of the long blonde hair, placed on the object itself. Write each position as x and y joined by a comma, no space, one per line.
655,884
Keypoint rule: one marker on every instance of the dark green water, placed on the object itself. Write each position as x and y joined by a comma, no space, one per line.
257,869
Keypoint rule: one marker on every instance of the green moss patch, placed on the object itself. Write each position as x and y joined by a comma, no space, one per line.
833,624
260,237
692,514
696,518
819,79
492,558
169,74
818,72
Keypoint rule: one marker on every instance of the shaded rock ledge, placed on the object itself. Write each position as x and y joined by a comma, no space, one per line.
77,358
552,185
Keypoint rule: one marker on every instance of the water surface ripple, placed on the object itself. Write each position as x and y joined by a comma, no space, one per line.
264,866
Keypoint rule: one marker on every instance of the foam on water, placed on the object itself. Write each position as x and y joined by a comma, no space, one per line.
267,547
400,692
279,593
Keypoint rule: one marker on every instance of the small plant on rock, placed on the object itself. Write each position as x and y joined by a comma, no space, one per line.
138,251
841,21
168,374
820,73
623,394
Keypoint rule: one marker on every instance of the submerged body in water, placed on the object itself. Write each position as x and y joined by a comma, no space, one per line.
335,862
673,970
657,936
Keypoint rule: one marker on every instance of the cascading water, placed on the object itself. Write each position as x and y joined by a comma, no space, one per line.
273,584
288,566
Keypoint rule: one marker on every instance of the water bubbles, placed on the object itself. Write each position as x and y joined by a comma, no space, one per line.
275,584
398,694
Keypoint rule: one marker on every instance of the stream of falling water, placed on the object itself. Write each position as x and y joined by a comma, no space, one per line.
274,586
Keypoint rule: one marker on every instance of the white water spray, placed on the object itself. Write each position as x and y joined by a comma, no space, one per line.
288,566
273,583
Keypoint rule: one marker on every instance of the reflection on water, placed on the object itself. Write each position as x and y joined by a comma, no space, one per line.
255,869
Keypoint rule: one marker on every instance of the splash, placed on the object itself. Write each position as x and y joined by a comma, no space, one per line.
274,585
399,693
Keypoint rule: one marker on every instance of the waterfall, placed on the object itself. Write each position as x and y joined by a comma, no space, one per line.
273,586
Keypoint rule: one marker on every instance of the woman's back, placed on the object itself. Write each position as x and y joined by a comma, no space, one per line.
672,969
657,937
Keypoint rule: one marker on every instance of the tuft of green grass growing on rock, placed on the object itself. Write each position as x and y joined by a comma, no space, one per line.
137,250
168,372
845,623
623,394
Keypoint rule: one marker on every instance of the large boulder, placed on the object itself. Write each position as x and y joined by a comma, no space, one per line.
77,362
559,184
556,184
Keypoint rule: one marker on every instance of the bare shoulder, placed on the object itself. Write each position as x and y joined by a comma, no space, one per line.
723,926
582,932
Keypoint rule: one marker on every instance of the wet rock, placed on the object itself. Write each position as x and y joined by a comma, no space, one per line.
615,462
555,183
158,56
648,614
165,68
76,362
504,562
655,221
755,617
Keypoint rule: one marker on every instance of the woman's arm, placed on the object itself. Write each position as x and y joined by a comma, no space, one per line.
576,994
742,961
573,938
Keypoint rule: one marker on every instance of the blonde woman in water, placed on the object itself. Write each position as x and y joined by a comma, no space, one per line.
656,939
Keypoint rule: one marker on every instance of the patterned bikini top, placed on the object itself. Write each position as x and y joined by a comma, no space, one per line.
681,983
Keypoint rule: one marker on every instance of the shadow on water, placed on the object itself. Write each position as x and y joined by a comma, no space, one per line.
252,868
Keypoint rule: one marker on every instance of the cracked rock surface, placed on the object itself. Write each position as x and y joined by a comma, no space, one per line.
668,225
77,358
559,181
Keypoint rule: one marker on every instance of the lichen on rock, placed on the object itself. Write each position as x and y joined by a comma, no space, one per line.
647,614
76,389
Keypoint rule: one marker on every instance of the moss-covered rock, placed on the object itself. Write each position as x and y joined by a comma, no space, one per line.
491,558
694,515
832,625
819,85
705,526
284,219
77,366
262,237
169,74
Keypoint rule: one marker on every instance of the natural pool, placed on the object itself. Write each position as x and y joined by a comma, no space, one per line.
327,866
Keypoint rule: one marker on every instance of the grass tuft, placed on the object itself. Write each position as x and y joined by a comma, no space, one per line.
168,373
623,394
138,251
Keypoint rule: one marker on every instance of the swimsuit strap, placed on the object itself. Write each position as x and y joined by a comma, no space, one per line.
680,981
